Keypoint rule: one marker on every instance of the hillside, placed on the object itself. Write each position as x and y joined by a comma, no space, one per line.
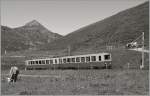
118,29
30,36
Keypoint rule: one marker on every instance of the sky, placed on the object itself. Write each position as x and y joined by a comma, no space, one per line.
61,16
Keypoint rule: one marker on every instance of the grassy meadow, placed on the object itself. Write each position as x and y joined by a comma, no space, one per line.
79,82
116,81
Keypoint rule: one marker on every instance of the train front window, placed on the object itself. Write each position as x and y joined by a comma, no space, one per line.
93,58
100,58
82,59
88,59
78,59
107,57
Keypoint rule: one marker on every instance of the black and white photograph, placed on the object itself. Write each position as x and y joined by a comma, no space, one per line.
74,47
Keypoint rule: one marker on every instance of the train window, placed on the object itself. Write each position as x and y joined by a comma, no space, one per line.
100,58
78,59
93,58
32,62
37,62
40,62
51,61
55,61
107,57
68,60
88,59
82,59
73,60
47,61
60,60
43,62
64,60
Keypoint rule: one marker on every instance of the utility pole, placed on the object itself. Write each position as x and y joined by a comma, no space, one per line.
142,65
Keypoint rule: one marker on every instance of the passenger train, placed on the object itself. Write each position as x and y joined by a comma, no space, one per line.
96,61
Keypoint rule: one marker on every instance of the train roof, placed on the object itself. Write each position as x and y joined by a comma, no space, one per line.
86,55
70,56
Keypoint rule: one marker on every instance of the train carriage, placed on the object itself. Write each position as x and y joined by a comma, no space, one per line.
99,60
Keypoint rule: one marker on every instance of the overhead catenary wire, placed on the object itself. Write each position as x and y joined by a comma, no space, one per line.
138,38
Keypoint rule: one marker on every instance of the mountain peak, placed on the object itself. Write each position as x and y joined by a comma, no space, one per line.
33,23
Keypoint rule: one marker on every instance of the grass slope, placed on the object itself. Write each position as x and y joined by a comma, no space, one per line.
118,29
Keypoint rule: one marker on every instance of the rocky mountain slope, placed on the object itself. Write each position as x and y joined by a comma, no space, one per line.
30,36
